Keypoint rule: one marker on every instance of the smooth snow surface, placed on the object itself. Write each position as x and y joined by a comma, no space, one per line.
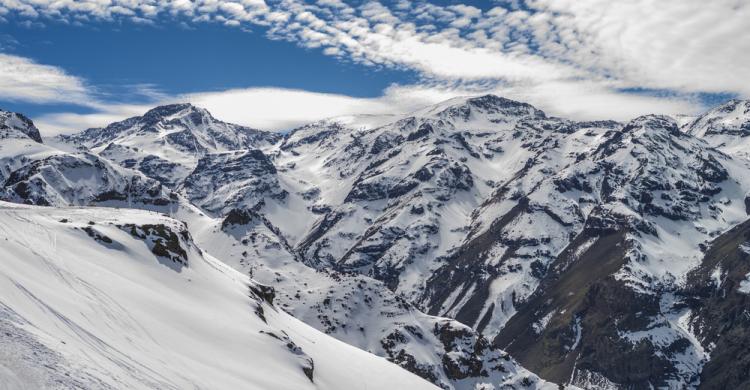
84,303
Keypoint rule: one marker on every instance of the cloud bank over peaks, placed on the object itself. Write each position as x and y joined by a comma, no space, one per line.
578,58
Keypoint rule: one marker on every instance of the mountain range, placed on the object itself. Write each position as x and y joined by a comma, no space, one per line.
478,244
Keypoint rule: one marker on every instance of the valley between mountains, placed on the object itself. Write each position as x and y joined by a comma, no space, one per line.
475,244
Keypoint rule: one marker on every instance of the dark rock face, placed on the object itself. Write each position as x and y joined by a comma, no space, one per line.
155,167
238,217
163,241
423,131
223,181
575,323
718,293
267,293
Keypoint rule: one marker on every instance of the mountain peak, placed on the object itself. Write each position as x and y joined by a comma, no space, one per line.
11,121
464,108
732,103
729,119
653,121
491,100
174,109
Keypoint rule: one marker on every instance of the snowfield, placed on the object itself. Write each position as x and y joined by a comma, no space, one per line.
84,303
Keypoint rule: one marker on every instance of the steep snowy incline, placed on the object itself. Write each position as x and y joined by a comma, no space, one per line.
104,299
359,310
167,142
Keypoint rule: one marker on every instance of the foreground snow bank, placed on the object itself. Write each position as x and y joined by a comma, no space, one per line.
101,298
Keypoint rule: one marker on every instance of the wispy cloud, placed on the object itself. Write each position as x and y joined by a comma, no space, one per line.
686,45
264,108
277,109
570,57
22,79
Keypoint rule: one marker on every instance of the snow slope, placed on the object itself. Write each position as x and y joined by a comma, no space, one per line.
359,310
106,298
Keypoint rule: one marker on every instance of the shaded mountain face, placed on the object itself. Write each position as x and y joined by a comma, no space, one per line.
446,237
241,179
717,296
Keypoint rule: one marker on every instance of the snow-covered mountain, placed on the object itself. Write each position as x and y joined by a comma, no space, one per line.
166,143
726,127
474,207
464,238
15,125
34,173
357,309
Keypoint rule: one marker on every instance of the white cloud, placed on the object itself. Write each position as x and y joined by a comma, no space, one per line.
568,57
22,79
272,109
68,123
278,109
596,101
686,45
282,109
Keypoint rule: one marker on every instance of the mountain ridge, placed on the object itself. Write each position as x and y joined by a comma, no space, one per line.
533,231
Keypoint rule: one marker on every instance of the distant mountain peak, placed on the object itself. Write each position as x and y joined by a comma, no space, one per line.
464,108
15,122
491,100
654,122
729,119
732,103
173,109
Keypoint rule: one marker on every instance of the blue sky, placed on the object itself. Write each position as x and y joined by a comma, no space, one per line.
168,58
278,64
